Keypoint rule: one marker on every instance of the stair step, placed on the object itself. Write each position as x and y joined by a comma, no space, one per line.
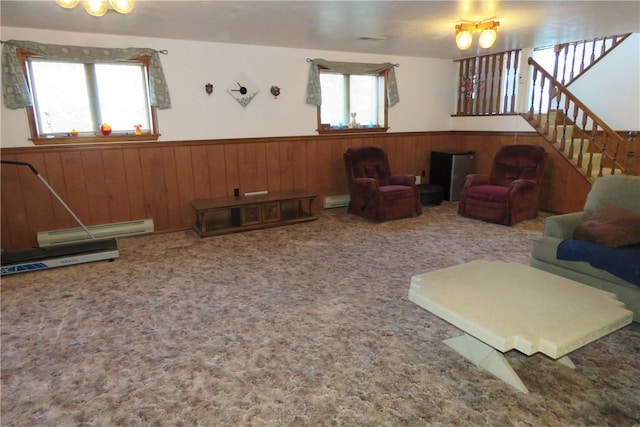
567,131
577,146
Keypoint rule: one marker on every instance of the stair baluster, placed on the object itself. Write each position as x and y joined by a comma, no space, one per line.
614,156
573,62
514,86
564,65
603,148
493,79
461,91
631,138
499,79
582,139
565,115
584,51
486,76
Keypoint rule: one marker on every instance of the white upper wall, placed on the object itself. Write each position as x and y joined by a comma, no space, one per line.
424,86
611,89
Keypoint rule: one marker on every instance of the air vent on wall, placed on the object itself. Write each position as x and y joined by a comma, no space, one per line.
338,201
372,38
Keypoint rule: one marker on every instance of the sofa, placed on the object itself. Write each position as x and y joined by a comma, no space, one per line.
586,246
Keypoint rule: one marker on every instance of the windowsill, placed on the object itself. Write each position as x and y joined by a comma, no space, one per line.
94,139
333,131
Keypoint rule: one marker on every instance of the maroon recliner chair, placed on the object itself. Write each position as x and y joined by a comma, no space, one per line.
510,193
375,193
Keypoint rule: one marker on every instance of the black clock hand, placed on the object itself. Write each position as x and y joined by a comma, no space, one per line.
242,90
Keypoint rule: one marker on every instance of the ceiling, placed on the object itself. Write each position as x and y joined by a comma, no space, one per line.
402,28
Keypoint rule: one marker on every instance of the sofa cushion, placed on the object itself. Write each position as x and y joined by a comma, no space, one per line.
488,193
545,251
621,262
621,190
611,226
397,192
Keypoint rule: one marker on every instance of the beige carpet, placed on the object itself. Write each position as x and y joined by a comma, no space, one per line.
302,325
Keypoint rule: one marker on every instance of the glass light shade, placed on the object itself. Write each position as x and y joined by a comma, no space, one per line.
487,38
464,39
122,6
95,7
67,4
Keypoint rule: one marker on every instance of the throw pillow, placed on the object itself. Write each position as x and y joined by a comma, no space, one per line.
611,226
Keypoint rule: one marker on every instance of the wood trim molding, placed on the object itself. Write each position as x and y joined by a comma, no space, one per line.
303,138
115,182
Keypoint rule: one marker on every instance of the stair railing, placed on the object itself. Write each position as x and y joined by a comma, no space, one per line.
488,84
575,58
548,95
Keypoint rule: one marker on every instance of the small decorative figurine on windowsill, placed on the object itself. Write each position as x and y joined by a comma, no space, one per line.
105,129
353,123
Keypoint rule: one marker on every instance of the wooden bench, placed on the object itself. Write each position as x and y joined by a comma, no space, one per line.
224,215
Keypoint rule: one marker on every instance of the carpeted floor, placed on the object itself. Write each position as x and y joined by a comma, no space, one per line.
292,326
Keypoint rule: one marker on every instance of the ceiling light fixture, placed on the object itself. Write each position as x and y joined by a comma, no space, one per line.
487,30
99,7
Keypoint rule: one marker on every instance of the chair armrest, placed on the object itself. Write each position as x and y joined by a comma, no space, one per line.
563,226
408,180
522,185
367,183
476,179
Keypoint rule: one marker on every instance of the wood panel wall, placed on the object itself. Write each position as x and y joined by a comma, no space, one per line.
109,183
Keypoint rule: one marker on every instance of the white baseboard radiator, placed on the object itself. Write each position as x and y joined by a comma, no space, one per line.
104,231
338,201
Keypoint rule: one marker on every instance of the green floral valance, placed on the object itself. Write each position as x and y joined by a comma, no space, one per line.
314,96
15,91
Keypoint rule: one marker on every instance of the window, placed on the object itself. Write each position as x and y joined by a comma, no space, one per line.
352,101
71,101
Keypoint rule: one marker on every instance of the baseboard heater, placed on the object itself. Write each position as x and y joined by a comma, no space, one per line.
338,201
100,232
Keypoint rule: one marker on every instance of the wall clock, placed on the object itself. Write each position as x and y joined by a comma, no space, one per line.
243,90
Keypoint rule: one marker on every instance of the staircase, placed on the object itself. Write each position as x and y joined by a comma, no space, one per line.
588,143
573,59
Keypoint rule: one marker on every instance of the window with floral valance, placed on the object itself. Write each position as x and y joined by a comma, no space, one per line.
17,92
376,83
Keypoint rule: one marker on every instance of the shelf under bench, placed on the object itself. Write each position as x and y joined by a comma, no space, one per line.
224,215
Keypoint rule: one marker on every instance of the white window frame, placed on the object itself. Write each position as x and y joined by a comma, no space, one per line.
41,138
383,111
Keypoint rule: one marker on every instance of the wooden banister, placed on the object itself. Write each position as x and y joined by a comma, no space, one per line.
594,135
579,56
482,80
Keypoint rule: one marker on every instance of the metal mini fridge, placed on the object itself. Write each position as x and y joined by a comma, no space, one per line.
449,170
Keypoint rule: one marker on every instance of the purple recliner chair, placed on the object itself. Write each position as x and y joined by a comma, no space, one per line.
375,193
510,193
